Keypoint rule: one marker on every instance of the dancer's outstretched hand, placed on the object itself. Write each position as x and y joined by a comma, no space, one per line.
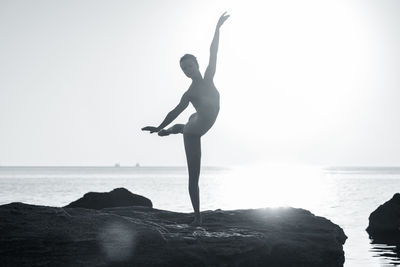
151,129
222,19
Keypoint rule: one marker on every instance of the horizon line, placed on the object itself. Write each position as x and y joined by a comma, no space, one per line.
180,166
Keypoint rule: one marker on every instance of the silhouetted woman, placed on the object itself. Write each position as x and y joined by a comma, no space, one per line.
205,98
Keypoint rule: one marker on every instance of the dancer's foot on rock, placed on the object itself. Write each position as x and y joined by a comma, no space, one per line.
164,132
196,222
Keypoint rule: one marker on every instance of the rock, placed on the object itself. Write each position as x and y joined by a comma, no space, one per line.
385,220
119,197
383,229
142,236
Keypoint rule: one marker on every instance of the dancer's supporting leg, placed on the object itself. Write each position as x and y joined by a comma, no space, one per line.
176,129
193,157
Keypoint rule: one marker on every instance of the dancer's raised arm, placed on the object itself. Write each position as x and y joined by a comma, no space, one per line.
170,116
210,71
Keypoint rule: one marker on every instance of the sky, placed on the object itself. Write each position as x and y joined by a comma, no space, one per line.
305,82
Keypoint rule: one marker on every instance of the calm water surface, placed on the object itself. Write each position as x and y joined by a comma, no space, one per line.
346,196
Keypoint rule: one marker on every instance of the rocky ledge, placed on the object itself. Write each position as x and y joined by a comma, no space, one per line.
385,220
142,236
384,226
119,197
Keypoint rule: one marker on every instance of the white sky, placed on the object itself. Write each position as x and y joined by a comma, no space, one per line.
313,82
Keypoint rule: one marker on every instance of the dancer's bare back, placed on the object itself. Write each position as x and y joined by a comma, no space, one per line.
204,97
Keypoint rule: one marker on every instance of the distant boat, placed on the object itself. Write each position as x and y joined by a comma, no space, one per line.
137,165
117,165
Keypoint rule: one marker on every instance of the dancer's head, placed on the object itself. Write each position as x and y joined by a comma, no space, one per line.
189,65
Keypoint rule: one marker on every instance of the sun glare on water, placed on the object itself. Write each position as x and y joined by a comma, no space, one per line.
273,185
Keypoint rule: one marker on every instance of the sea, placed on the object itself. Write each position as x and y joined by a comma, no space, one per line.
344,195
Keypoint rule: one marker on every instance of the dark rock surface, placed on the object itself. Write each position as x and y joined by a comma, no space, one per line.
119,197
141,236
385,220
384,229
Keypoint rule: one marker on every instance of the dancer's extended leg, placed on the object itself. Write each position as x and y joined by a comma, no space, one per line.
176,129
193,157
